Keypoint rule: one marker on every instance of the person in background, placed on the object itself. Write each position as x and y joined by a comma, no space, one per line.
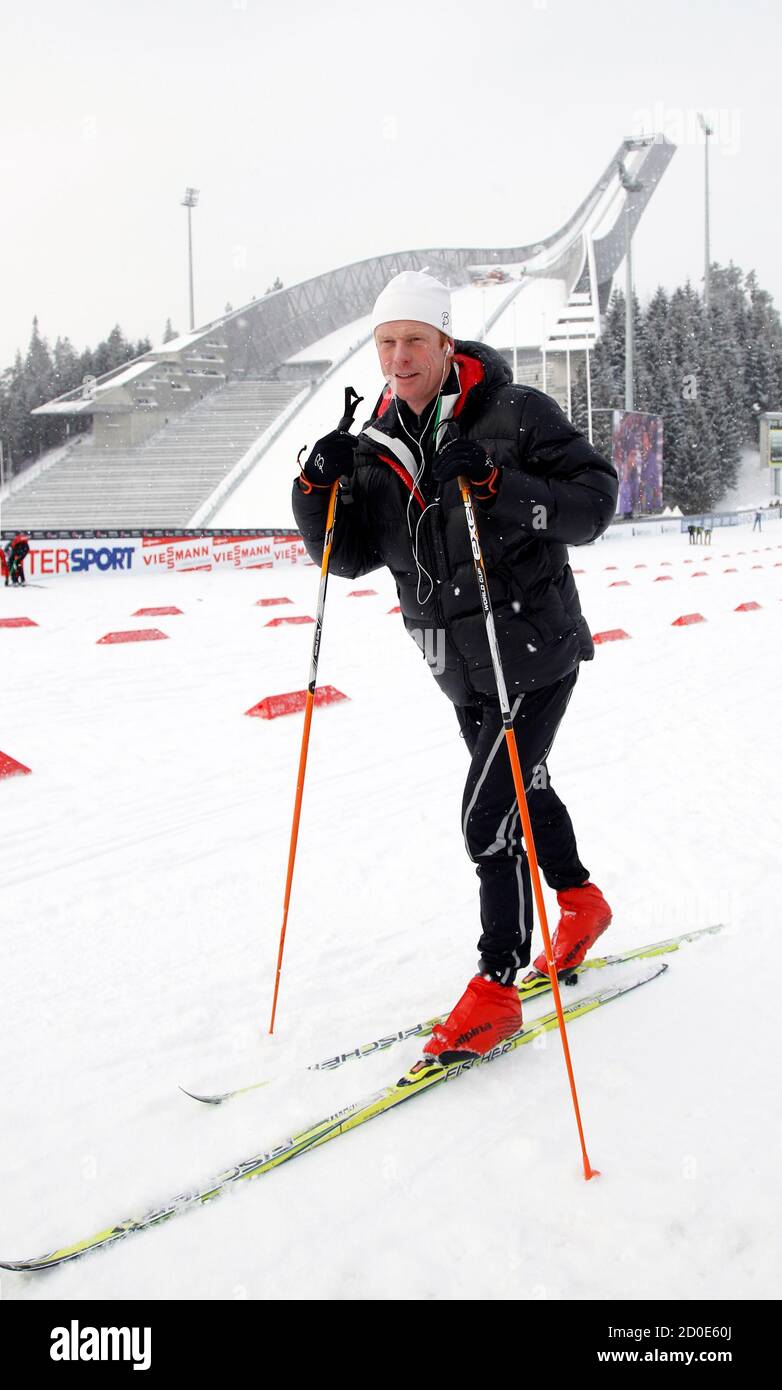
16,553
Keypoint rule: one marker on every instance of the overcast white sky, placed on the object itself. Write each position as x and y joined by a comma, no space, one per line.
320,133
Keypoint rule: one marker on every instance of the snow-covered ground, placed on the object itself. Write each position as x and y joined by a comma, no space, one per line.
753,485
142,867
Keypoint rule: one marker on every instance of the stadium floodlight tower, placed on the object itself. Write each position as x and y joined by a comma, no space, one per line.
630,185
707,131
190,201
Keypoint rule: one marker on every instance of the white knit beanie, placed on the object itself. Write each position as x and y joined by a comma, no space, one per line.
417,296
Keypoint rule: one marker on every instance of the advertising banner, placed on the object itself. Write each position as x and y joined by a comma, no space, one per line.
72,558
637,455
771,439
258,552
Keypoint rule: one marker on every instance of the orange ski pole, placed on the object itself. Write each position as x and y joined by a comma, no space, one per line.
344,424
518,782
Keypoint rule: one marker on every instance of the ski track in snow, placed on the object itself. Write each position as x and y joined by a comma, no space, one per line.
142,870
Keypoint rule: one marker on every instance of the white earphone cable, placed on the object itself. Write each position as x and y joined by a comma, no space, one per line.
420,569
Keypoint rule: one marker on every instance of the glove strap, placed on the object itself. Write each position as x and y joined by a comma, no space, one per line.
491,483
306,486
304,483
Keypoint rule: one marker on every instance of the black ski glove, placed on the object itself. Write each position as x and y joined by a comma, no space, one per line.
469,458
331,458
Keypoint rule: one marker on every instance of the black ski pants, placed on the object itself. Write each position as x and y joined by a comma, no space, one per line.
491,822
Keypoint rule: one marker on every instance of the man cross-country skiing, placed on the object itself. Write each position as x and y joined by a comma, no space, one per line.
451,408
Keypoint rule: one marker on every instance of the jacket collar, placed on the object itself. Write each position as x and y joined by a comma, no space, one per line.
387,429
467,373
475,371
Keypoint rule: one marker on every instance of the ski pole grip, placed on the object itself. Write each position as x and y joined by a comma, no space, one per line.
352,402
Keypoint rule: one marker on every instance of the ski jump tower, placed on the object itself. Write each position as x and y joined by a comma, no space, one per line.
257,340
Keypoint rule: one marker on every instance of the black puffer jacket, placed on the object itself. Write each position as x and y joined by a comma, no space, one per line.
555,490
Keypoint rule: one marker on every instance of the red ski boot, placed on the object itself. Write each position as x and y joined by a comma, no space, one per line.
585,916
486,1014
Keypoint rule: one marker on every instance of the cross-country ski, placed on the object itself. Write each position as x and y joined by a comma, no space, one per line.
413,1083
528,990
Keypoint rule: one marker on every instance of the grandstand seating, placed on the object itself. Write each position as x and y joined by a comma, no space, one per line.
160,483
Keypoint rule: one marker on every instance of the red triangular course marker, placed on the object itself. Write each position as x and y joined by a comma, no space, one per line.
281,622
662,577
142,634
619,584
294,701
688,618
9,767
270,602
361,593
155,612
613,634
746,607
17,622
399,610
